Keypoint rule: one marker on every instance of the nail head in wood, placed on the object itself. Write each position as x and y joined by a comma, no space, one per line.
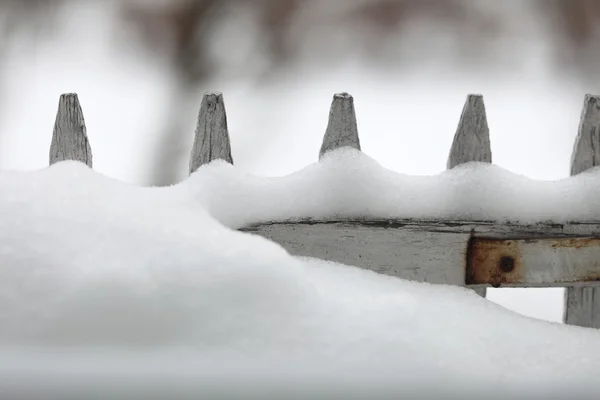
69,139
472,139
506,264
342,129
211,141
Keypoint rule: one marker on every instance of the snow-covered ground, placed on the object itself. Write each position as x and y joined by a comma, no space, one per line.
109,290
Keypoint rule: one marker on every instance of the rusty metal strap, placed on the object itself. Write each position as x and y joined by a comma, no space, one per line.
533,262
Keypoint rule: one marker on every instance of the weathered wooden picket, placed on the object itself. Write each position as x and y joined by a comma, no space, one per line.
476,254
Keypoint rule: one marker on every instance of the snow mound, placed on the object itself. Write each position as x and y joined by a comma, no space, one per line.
75,245
119,291
349,184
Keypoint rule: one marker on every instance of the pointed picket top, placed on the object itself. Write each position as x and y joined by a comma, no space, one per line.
472,138
342,130
69,139
582,305
586,151
212,136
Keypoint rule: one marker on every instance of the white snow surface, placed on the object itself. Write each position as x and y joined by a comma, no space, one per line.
109,290
349,184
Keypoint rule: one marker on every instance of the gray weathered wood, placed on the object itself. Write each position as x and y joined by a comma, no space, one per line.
471,140
586,151
342,129
212,135
582,305
436,251
69,139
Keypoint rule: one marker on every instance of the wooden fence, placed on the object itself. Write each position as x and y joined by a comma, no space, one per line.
476,254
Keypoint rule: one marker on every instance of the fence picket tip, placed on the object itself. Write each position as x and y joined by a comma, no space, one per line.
69,137
211,141
342,129
472,138
586,153
581,303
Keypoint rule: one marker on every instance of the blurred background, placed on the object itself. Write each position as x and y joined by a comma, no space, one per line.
140,68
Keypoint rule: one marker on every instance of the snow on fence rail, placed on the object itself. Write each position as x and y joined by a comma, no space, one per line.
468,253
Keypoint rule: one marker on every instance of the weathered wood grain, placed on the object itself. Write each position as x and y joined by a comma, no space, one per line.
471,140
69,138
211,141
342,129
429,251
586,151
582,305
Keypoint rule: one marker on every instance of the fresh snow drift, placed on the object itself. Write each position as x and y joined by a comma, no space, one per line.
114,291
349,184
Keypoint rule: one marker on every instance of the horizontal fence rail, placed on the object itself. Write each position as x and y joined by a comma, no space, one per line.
475,254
